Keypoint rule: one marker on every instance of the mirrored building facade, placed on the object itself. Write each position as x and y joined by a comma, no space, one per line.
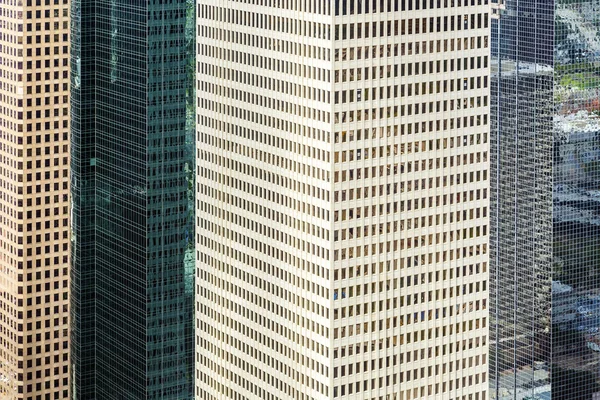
545,237
132,208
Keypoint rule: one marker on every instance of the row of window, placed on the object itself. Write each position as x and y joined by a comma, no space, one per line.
404,27
278,219
276,23
352,7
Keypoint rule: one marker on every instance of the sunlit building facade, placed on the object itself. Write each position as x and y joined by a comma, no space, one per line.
34,200
545,241
342,199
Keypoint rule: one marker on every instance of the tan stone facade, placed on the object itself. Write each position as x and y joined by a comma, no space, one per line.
34,198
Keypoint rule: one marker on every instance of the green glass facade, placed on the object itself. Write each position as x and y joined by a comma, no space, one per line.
132,205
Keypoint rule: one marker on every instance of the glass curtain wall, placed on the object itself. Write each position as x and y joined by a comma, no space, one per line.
545,302
132,207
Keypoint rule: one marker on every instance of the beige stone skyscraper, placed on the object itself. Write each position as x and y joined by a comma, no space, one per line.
342,208
34,198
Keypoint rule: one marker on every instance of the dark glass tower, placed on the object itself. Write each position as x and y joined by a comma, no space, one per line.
132,206
545,217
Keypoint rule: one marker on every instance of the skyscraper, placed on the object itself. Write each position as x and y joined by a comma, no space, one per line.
342,209
34,199
132,166
545,242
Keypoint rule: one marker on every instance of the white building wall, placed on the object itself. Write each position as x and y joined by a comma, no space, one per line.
342,231
264,170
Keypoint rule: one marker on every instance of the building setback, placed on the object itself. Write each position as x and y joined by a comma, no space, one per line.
34,200
342,199
132,158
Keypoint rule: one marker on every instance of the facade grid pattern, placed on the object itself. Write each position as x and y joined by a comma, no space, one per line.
545,310
34,199
132,165
342,208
